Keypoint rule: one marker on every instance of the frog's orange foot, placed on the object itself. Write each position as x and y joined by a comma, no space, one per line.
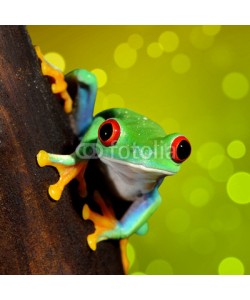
59,86
103,223
66,172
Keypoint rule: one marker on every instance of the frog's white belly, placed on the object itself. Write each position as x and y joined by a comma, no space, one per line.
131,181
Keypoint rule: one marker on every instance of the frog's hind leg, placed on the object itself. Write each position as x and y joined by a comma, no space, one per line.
106,221
82,86
78,87
59,86
102,223
68,169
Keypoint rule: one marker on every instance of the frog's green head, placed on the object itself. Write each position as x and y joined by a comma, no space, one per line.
129,138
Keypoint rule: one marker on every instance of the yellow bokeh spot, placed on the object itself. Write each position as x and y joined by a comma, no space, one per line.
113,101
125,56
135,41
159,267
138,273
220,168
202,241
238,187
177,220
199,197
215,161
235,85
236,149
211,30
56,60
180,63
198,190
169,41
130,254
231,266
101,77
207,151
200,40
154,50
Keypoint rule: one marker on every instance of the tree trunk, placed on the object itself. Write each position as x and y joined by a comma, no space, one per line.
37,235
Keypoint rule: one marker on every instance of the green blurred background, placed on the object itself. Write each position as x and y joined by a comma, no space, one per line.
193,80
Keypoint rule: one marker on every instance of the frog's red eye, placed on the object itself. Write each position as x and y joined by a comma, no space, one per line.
180,149
109,132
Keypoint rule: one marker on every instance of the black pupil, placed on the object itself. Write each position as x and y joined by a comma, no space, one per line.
183,150
106,131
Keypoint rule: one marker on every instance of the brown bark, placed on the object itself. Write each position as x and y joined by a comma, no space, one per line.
37,235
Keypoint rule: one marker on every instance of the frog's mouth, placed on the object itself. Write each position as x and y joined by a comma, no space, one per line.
131,180
136,167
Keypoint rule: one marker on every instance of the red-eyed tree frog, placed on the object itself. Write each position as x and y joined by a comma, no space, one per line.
133,153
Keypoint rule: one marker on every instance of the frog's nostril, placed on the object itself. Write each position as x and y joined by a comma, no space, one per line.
180,149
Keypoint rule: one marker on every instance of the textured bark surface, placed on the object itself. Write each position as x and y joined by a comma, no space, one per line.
37,235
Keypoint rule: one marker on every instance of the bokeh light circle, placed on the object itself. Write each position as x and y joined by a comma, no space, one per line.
137,273
236,149
231,266
202,241
56,60
220,168
180,63
215,161
101,77
154,50
238,187
113,100
197,190
177,220
169,41
159,267
235,85
125,56
211,30
200,40
207,151
135,41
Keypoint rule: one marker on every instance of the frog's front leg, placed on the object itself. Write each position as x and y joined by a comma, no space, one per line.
68,166
134,220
